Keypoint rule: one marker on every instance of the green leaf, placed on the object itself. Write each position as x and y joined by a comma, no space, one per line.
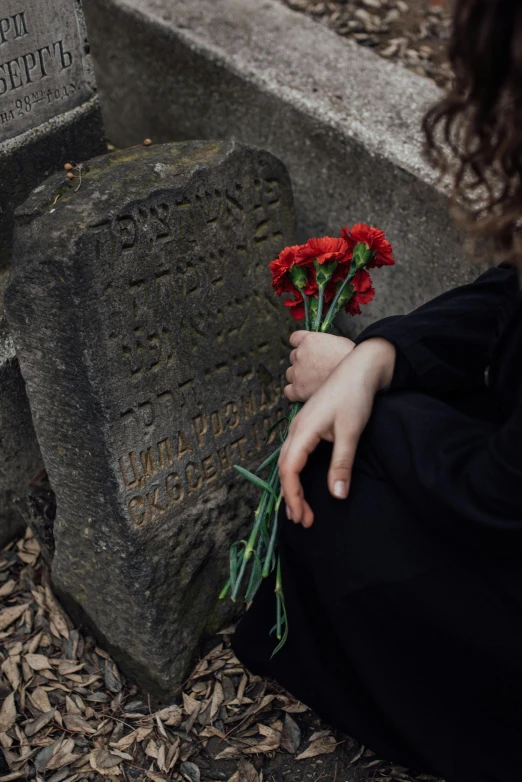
255,479
285,632
274,426
255,578
270,459
225,589
235,558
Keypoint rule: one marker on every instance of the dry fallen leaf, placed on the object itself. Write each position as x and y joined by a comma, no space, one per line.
172,715
295,708
227,753
321,746
66,668
77,724
104,762
11,672
40,722
9,615
217,699
190,705
64,756
37,661
246,772
8,713
156,777
291,736
190,771
71,706
40,699
7,588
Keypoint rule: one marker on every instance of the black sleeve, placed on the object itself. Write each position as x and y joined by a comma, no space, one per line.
462,476
446,344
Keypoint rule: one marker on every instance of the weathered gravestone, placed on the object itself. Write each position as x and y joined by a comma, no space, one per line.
49,115
153,351
48,108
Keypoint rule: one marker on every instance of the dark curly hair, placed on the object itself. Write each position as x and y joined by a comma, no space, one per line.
475,132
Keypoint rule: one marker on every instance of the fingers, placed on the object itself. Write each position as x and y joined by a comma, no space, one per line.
294,455
293,356
297,337
289,392
341,464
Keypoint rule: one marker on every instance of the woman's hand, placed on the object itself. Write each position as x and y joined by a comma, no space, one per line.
337,412
314,359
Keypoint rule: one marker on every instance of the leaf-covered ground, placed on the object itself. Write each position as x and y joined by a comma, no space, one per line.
67,713
412,32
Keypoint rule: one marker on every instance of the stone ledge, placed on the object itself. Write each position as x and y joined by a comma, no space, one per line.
345,122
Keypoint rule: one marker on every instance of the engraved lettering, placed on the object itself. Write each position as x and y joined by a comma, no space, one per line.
65,57
201,428
19,24
216,423
194,477
154,504
148,462
239,444
174,488
232,416
165,453
29,61
5,26
130,482
249,405
184,445
138,512
209,469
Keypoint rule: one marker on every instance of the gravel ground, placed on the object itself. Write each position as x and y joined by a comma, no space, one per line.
414,33
67,714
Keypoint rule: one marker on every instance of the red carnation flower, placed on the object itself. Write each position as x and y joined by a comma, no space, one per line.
322,250
374,239
280,268
296,305
363,292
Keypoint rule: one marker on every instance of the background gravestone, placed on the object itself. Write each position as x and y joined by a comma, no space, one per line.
153,351
49,115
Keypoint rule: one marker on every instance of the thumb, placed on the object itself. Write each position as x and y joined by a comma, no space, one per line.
297,337
340,472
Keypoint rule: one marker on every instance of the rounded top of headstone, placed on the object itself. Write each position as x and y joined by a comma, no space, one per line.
73,203
103,182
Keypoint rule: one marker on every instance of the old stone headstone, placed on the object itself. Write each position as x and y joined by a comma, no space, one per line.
20,458
153,351
48,109
49,115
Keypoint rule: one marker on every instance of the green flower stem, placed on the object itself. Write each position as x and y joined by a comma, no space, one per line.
271,545
279,595
225,589
320,304
258,516
266,500
333,309
307,312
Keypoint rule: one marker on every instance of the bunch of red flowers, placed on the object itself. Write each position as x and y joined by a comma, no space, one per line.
324,276
330,270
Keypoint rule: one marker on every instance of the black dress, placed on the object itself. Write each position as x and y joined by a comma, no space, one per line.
405,599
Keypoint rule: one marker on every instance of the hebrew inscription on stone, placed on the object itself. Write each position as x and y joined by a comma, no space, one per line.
154,353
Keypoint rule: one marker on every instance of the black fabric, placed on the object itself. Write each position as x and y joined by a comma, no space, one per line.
405,599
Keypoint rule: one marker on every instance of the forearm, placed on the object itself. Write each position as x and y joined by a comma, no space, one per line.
446,344
375,360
